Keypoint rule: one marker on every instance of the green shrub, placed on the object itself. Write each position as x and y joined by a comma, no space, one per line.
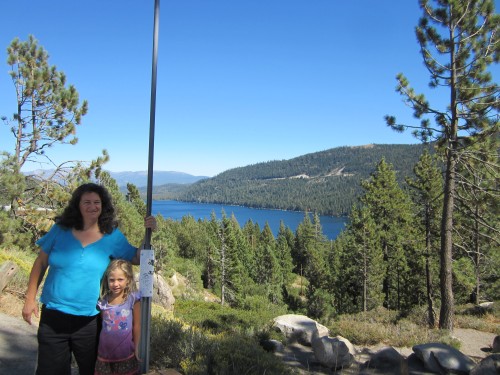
382,326
479,318
358,332
320,305
172,342
234,354
196,351
220,319
378,315
420,315
259,304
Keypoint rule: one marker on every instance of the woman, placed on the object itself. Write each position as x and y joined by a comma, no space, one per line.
78,248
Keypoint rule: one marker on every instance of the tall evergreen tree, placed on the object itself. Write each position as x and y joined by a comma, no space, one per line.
134,197
458,42
347,281
231,270
213,259
427,196
310,252
390,209
478,203
47,114
130,221
284,243
267,266
367,258
164,243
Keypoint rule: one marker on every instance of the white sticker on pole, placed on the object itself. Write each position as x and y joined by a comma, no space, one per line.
146,273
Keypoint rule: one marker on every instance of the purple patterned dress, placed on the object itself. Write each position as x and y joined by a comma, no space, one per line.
116,351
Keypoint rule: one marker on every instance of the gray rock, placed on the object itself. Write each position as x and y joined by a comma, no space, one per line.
495,347
299,328
443,359
332,352
488,366
487,305
387,361
416,366
352,350
162,293
273,346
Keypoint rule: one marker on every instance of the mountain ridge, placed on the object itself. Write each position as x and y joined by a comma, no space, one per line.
139,178
326,182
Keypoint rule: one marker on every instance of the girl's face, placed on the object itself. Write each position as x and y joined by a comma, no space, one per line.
90,206
117,282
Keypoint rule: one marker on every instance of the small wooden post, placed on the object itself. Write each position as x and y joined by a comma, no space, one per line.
7,271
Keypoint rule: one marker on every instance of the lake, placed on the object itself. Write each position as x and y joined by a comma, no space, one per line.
175,210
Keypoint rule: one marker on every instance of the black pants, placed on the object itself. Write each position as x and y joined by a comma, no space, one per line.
61,334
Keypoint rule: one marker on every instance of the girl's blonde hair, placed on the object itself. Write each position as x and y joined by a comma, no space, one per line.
126,267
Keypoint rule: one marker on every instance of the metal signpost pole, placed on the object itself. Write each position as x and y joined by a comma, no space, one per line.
147,255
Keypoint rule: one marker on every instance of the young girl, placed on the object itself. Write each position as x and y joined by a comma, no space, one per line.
118,351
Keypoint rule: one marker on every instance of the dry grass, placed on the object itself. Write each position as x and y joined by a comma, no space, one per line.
12,304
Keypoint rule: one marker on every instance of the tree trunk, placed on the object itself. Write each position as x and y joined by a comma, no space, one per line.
365,277
428,276
477,255
447,302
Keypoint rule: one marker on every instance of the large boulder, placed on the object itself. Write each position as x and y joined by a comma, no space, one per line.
387,361
443,359
162,293
299,328
488,366
332,352
350,346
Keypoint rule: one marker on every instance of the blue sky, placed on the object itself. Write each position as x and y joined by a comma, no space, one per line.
239,81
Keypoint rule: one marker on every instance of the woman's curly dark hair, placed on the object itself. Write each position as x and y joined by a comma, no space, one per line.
72,217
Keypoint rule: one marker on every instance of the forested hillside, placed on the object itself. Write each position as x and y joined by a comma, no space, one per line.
326,182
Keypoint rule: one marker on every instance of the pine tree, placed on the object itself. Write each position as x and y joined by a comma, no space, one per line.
367,257
310,261
284,243
130,221
345,272
478,206
267,266
458,41
134,197
232,274
390,208
47,114
427,196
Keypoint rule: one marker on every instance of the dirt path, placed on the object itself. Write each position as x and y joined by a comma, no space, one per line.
18,346
475,344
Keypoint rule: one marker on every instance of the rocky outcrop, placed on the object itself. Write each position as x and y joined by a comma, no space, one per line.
336,353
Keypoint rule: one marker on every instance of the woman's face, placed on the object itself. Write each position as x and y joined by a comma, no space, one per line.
90,206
